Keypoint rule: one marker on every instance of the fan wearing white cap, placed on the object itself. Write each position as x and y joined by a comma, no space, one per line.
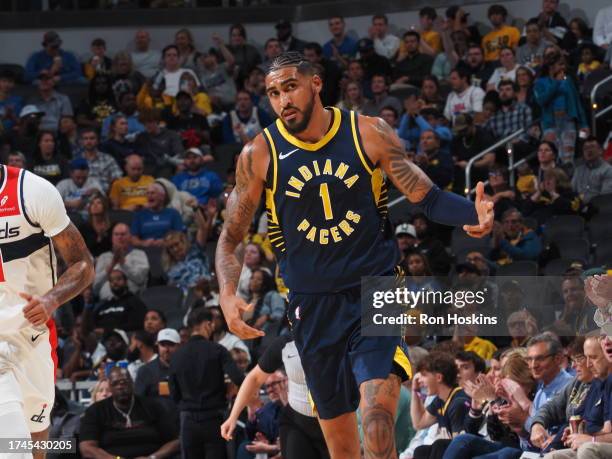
152,378
405,234
196,179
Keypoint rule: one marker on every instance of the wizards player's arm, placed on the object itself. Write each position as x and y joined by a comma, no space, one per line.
78,275
384,147
241,206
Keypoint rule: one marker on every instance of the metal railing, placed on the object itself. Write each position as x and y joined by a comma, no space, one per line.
594,105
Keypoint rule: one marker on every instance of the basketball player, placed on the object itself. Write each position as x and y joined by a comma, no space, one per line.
322,172
33,221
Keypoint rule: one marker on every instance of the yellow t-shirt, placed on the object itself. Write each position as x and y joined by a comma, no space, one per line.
129,193
432,38
483,347
495,40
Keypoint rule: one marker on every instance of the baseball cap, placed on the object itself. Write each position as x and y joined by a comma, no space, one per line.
169,334
462,122
365,44
30,110
405,228
283,24
193,150
117,332
52,38
79,164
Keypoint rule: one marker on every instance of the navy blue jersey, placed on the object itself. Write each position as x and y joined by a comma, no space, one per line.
327,209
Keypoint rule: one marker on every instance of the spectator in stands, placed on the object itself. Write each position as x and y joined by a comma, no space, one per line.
405,235
97,229
141,351
418,273
269,306
189,121
513,241
197,385
245,121
99,103
216,76
272,49
438,165
189,56
146,60
380,97
438,375
100,391
123,256
167,79
117,145
16,159
61,66
10,105
160,147
602,28
478,70
577,312
129,192
430,94
127,108
152,377
588,61
547,158
417,120
553,197
246,56
430,246
331,73
183,262
579,33
352,98
253,259
457,20
124,77
389,114
412,65
196,179
99,62
68,137
512,116
127,425
507,71
371,62
80,349
456,45
182,201
562,111
102,166
531,53
115,343
385,43
123,309
355,72
222,335
464,98
524,80
284,34
341,48
23,137
151,224
46,161
502,34
77,190
593,177
470,366
498,190
52,103
432,42
571,400
154,321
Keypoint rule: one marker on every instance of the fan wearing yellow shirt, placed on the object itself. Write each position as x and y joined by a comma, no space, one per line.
129,193
431,42
502,35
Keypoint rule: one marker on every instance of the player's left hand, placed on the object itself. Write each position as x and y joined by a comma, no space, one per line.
38,309
484,209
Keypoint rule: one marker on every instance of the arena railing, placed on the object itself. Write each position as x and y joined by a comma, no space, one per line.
594,105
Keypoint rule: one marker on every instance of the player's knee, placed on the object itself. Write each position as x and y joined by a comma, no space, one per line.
378,431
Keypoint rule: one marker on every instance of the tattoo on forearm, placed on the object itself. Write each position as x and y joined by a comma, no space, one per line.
406,176
239,213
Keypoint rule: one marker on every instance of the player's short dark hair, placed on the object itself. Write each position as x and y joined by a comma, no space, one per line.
292,59
145,338
442,363
497,9
314,46
412,33
468,356
380,16
429,12
199,315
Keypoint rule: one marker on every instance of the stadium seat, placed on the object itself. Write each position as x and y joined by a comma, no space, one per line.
600,228
558,266
603,253
572,248
121,216
156,271
518,268
462,243
603,204
168,300
563,227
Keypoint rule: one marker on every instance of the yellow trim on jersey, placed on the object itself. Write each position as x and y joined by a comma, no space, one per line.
274,159
357,147
401,359
377,184
312,146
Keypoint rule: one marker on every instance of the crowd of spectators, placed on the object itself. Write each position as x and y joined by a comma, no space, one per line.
145,163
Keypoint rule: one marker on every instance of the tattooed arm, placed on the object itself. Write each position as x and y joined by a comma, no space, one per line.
78,276
384,148
241,206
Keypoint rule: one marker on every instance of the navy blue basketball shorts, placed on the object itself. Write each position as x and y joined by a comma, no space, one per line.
335,357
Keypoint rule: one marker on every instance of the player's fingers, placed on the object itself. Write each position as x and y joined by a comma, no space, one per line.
479,191
245,307
247,332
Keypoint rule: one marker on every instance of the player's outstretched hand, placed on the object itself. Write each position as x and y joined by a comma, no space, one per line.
484,209
38,309
233,307
227,429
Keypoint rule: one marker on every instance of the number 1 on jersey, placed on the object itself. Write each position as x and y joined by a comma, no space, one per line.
324,193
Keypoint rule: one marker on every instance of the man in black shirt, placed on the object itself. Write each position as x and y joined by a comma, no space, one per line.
127,425
197,385
331,78
193,127
477,68
372,63
412,65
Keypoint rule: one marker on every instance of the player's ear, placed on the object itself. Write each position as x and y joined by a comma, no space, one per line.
317,83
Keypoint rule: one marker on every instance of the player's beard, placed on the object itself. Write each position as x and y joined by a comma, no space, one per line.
300,126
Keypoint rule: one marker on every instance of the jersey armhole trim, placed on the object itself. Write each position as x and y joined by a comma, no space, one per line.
272,172
3,177
22,201
367,163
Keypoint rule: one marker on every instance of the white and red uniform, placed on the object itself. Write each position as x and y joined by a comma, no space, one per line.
31,212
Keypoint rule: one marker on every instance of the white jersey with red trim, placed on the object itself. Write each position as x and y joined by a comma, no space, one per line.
31,213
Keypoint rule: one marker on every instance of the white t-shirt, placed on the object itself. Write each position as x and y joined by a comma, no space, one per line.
173,79
387,46
469,101
501,73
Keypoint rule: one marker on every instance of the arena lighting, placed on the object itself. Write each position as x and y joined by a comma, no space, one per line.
594,105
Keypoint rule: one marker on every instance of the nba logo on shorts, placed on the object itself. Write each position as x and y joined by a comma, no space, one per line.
39,417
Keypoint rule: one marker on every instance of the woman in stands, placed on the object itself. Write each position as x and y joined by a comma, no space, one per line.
189,56
99,103
430,93
269,305
524,80
97,230
554,196
48,163
154,321
352,98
